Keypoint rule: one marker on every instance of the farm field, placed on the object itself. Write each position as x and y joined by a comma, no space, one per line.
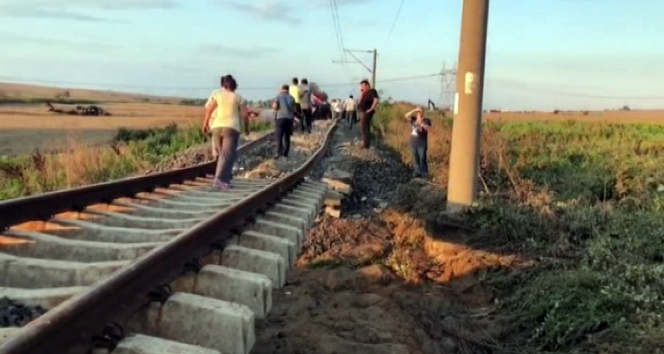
26,127
650,116
24,92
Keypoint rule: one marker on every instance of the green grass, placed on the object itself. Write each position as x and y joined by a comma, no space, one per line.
584,198
133,151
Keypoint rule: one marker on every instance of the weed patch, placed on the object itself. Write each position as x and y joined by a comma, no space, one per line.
581,201
132,151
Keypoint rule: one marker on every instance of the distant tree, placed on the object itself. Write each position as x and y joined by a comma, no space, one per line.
625,108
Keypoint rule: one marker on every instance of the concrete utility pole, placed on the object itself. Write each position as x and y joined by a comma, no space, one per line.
373,71
465,150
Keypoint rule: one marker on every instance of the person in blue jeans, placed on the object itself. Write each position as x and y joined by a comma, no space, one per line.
284,107
419,130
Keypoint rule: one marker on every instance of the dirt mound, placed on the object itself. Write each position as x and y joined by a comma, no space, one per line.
356,241
382,279
369,310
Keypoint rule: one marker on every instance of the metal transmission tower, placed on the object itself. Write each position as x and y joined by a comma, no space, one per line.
447,87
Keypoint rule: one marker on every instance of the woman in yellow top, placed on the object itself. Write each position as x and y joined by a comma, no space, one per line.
231,114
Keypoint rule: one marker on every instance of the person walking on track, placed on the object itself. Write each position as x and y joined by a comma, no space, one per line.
366,110
231,116
207,104
419,132
305,104
349,109
294,91
284,106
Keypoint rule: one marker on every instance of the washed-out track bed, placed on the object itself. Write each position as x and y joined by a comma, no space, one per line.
155,264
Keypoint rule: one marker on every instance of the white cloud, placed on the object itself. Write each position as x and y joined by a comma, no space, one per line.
242,52
274,10
75,9
283,10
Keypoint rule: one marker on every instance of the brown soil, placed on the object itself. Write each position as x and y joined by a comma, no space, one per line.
383,281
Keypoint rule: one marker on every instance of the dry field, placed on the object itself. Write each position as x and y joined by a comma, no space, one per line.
24,127
22,91
654,116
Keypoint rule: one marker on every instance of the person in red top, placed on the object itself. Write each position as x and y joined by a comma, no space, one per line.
366,110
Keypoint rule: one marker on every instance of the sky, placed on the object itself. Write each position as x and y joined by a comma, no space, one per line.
541,54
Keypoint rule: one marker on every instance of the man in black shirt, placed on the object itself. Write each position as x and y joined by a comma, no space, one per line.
366,109
418,140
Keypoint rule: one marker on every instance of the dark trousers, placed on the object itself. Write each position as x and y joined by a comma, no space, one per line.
365,126
283,129
420,165
350,118
298,111
307,119
225,141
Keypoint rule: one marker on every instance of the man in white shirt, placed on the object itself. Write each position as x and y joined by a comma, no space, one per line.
349,109
337,108
207,104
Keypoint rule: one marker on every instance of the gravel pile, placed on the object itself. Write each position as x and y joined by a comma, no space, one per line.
203,153
14,314
260,161
376,172
302,147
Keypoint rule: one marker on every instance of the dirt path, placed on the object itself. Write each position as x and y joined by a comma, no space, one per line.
365,283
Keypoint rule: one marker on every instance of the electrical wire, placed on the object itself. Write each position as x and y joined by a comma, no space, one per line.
340,38
337,27
394,23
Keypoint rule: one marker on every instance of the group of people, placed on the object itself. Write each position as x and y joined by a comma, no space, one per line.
226,116
345,110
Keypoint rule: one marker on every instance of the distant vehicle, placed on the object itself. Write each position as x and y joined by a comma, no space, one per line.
79,110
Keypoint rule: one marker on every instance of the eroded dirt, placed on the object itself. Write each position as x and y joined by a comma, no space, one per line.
380,280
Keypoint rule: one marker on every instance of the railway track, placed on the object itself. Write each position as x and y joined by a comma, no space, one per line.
152,264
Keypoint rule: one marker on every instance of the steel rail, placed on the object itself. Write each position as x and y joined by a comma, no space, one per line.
70,326
45,206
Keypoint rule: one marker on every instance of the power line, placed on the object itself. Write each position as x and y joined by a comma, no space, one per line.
394,23
339,35
337,27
